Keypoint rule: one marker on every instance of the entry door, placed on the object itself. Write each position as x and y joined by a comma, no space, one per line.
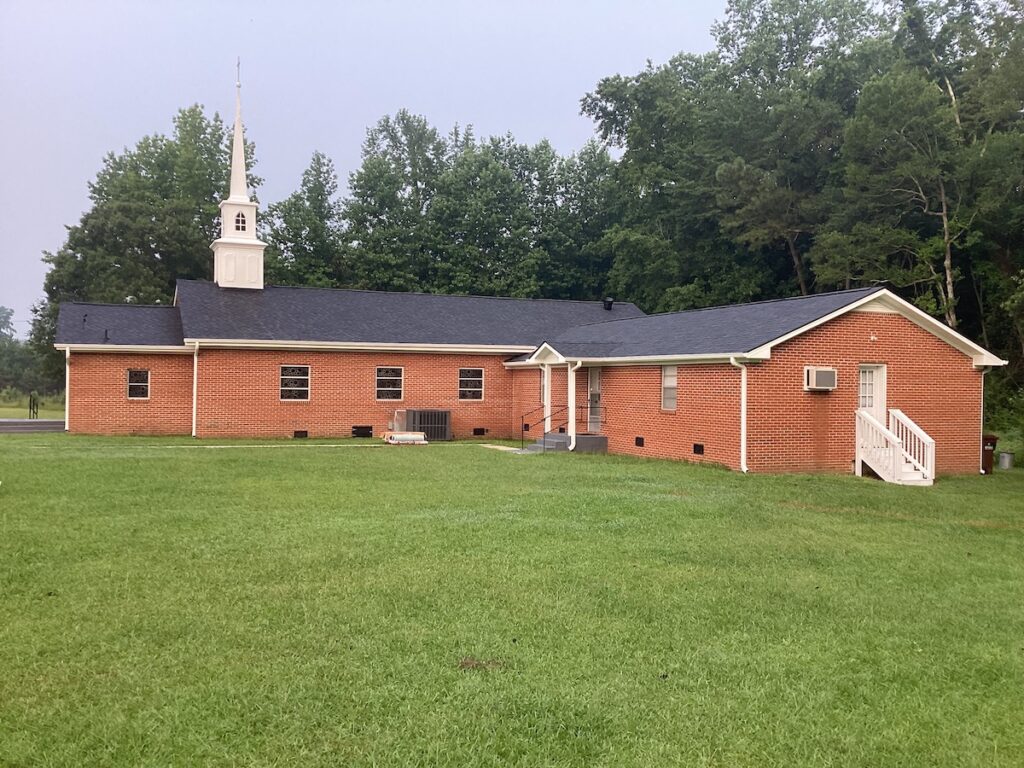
872,391
594,400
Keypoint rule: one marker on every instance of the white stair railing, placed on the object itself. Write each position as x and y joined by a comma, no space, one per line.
918,445
879,447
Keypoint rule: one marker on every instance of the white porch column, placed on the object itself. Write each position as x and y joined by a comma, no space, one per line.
571,417
546,373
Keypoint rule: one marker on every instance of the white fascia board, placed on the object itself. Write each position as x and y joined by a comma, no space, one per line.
981,357
744,357
610,362
133,349
356,346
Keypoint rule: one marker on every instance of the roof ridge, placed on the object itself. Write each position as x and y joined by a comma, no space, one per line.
866,291
419,293
119,304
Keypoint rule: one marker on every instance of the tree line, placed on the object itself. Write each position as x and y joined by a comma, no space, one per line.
822,144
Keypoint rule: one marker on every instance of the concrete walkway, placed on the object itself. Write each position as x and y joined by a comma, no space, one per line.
31,425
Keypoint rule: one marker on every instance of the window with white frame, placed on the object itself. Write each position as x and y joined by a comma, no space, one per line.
543,390
240,222
389,383
669,375
471,383
138,384
295,382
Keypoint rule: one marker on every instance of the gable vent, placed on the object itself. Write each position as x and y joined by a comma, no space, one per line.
819,379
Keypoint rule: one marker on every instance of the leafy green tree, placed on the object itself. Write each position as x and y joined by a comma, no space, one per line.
304,232
154,214
6,323
388,233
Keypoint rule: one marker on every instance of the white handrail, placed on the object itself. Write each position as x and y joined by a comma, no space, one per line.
881,447
917,444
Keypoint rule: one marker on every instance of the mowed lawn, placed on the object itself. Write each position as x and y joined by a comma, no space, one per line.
163,603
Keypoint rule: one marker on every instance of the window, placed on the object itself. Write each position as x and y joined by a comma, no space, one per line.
138,384
295,382
668,387
471,383
389,383
240,222
867,387
542,390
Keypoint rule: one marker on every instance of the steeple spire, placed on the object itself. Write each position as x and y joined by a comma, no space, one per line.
239,189
238,253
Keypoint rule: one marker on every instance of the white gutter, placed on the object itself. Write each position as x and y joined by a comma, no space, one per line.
743,412
195,385
648,360
159,349
341,346
67,389
572,403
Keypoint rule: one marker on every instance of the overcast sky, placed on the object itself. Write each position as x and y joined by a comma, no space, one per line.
80,79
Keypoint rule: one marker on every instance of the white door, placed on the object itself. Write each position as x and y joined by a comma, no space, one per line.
594,400
872,396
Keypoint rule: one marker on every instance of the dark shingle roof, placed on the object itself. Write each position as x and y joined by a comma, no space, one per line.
714,331
114,324
323,314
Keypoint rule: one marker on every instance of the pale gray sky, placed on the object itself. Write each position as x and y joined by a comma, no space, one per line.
80,79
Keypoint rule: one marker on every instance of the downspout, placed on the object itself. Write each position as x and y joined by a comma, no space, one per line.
546,373
572,402
67,389
195,384
743,412
981,434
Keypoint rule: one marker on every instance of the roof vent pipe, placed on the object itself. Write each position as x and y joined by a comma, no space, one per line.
608,302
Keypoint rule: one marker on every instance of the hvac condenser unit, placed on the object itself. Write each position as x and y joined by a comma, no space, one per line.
819,379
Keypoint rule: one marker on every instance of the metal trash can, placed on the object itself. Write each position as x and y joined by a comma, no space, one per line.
1005,460
988,453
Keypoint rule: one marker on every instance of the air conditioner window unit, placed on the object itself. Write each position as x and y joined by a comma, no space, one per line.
819,379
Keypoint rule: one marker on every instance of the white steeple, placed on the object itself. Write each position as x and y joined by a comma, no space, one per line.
238,253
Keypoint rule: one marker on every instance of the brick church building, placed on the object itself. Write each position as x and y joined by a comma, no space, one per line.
830,382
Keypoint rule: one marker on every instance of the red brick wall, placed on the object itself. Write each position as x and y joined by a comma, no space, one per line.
239,393
707,412
930,381
99,403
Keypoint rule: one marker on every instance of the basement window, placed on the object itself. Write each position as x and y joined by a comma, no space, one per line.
389,383
138,384
669,374
295,382
240,222
471,383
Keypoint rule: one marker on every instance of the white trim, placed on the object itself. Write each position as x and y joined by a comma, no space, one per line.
195,386
886,299
153,349
67,390
981,427
309,383
356,346
675,388
607,362
377,377
459,386
743,413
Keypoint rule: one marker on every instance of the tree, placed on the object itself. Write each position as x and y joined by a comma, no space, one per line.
304,231
6,323
387,231
154,214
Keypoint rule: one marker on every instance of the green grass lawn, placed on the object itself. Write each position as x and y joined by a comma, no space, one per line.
164,604
21,412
